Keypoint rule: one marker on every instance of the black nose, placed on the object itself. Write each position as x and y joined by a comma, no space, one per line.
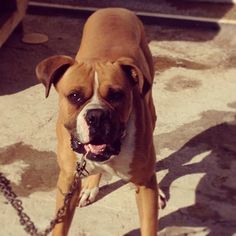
97,117
100,124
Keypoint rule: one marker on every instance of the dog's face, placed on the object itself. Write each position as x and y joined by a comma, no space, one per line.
95,102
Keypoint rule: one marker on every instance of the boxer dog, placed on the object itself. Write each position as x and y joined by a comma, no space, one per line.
106,108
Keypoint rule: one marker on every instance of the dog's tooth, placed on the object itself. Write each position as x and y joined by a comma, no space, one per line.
87,147
97,148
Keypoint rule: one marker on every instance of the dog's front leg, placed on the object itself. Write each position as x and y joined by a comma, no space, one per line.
63,186
146,198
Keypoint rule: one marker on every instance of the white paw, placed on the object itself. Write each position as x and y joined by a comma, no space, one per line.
87,196
161,199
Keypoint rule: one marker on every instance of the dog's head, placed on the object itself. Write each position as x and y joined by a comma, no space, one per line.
96,100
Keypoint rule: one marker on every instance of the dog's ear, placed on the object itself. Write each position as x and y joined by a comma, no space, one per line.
51,69
136,75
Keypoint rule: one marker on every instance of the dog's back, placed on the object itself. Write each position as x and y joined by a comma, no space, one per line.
120,25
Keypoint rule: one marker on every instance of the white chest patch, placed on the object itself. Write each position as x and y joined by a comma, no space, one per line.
122,162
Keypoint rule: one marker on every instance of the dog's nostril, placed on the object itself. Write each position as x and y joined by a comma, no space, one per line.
91,120
96,116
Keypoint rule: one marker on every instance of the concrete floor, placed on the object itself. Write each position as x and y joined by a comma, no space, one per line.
195,138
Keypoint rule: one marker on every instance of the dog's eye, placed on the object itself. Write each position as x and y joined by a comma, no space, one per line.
115,95
76,98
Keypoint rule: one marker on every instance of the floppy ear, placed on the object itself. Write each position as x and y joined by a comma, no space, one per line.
51,69
137,75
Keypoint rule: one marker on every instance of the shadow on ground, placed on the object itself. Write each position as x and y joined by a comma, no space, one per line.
214,150
33,170
18,60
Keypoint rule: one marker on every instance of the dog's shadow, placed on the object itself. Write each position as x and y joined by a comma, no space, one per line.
215,194
108,188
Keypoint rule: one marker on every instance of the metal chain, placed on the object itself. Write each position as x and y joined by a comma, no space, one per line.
24,219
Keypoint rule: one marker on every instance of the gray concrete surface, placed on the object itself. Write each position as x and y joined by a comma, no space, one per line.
195,137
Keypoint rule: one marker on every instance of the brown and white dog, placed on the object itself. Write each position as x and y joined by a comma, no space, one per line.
107,108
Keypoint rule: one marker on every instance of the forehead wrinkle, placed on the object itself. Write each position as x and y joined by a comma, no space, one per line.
80,71
112,75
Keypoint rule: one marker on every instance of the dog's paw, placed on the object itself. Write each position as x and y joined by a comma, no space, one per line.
90,189
87,196
161,199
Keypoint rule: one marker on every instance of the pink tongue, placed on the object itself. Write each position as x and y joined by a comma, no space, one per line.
96,149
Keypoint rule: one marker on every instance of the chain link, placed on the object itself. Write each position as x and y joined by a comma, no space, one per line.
24,219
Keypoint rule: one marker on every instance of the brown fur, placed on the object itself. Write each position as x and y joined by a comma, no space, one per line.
113,39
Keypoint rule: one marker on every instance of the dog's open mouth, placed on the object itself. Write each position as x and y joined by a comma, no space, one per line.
96,152
101,152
